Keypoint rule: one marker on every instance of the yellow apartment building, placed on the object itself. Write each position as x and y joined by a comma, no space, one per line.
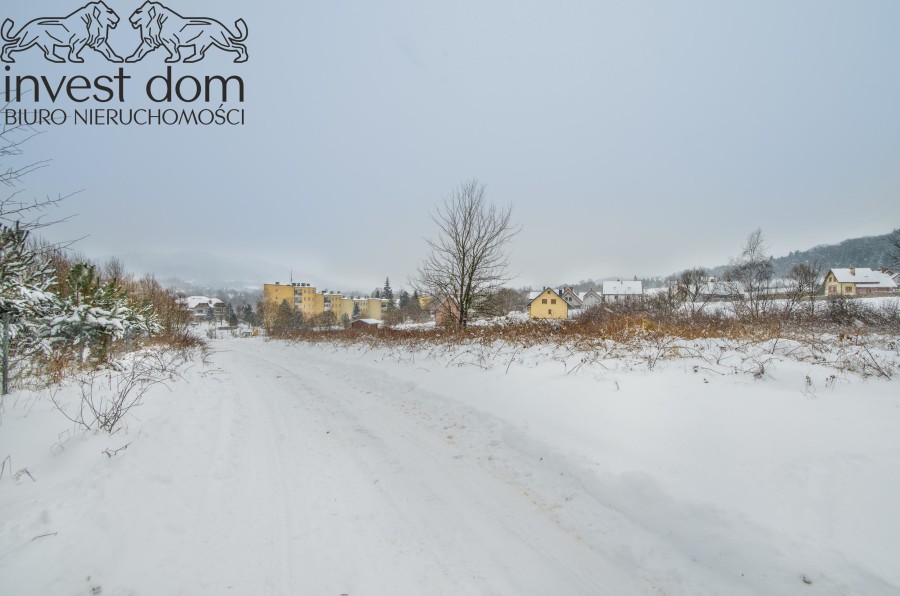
305,298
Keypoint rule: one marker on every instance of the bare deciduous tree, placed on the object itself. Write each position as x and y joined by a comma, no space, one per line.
114,271
750,277
894,251
807,283
467,263
12,208
689,289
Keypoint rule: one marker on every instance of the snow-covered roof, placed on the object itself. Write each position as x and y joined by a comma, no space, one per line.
370,321
634,288
533,295
195,301
865,276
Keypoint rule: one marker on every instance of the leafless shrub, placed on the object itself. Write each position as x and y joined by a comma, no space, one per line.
750,278
106,396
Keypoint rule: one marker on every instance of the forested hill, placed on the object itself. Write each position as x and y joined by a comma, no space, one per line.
870,251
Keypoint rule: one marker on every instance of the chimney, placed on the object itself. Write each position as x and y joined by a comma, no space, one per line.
852,270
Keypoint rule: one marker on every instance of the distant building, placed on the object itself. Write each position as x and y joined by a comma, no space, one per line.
571,298
547,304
201,305
308,300
365,324
857,281
622,291
446,311
425,301
590,298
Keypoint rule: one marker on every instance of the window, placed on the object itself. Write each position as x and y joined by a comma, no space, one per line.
543,301
549,311
553,301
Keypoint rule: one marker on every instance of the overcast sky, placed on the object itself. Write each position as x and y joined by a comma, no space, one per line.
631,137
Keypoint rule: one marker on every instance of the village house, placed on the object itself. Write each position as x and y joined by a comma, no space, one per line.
857,281
571,298
200,306
590,298
445,312
547,304
622,291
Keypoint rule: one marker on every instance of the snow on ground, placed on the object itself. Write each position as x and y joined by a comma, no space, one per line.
316,469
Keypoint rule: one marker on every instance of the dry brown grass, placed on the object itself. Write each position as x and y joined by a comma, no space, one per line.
621,329
725,345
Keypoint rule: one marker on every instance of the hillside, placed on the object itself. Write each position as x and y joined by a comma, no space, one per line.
868,251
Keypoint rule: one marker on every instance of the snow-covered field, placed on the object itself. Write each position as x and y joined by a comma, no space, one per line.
283,468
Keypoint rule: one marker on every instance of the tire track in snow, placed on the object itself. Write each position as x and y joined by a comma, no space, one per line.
461,519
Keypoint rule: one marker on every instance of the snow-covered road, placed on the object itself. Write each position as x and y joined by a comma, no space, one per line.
314,470
362,489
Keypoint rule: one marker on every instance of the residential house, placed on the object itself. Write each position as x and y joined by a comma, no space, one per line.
622,291
857,281
446,311
201,305
590,298
547,304
571,298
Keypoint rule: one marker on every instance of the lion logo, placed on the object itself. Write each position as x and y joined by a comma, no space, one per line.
161,26
86,27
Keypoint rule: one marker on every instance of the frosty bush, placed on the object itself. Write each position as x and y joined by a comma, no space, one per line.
27,303
106,396
94,313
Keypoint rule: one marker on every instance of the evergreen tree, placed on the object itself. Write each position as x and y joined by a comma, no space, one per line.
412,310
387,292
355,311
404,299
247,314
95,313
284,319
231,316
27,303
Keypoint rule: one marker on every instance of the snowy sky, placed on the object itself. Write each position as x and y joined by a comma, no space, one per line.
632,138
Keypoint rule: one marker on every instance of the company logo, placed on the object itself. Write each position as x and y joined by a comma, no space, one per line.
88,27
161,26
